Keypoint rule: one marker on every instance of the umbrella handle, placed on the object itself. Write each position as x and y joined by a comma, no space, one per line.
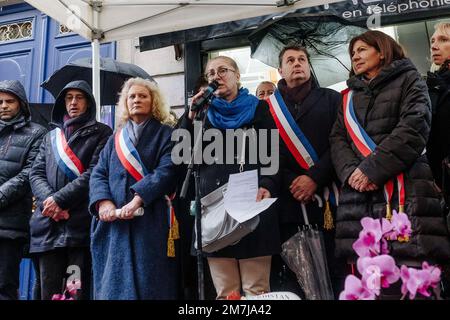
305,214
319,200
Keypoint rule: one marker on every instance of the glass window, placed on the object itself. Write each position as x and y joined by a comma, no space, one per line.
252,71
414,37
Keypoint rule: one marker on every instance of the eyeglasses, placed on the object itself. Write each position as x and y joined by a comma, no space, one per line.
77,97
221,72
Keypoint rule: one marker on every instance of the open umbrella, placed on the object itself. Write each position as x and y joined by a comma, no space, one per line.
325,36
113,74
305,255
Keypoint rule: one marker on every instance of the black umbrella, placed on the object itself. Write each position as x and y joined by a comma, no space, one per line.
113,74
325,36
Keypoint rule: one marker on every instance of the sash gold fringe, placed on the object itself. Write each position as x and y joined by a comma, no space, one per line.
328,223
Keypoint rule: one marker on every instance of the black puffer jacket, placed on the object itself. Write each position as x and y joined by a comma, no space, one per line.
47,179
394,109
19,144
438,147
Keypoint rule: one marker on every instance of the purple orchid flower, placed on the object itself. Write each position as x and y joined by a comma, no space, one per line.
73,286
355,290
378,272
368,243
419,280
401,227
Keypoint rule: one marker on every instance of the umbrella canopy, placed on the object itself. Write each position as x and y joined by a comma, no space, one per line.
305,255
112,76
325,36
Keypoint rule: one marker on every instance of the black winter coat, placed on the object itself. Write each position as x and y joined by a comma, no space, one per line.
47,179
394,109
315,117
19,144
438,146
265,239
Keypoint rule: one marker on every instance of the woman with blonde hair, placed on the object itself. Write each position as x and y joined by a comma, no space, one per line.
243,266
438,147
129,252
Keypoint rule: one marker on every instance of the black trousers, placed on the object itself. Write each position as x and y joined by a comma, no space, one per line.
54,267
11,252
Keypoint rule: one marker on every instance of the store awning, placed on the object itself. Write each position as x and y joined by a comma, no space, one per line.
356,11
110,20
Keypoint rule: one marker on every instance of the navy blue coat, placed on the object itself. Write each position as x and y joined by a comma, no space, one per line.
129,257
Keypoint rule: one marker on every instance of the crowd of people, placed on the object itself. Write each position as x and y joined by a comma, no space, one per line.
108,203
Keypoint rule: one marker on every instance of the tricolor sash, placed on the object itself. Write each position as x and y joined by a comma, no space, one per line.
290,132
128,155
131,161
299,146
366,146
66,159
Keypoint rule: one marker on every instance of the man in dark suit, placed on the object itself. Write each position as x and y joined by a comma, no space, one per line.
312,111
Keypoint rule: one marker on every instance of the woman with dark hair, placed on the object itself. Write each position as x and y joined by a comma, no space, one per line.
387,103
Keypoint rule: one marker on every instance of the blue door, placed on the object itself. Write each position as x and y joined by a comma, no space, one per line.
32,47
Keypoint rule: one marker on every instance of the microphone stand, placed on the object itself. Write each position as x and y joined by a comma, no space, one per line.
194,169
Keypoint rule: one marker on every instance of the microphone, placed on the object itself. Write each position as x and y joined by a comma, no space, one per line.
198,105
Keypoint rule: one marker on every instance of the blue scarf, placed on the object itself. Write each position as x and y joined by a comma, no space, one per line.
231,115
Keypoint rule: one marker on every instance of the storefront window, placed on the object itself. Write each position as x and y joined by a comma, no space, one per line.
414,37
252,71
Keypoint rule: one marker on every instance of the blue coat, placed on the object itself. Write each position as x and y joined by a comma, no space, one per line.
129,257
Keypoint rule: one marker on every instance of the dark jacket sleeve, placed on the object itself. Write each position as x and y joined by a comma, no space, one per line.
343,157
16,187
401,148
78,188
99,181
38,175
322,171
271,182
161,181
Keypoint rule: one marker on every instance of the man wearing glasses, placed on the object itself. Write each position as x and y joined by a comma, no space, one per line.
59,180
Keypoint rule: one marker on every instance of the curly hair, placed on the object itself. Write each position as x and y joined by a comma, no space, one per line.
160,110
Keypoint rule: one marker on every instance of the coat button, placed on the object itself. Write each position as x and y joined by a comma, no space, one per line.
218,182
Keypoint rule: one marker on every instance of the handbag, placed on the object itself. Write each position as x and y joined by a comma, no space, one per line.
219,229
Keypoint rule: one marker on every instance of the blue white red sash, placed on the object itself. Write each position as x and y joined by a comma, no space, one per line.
290,132
366,146
66,159
300,147
128,155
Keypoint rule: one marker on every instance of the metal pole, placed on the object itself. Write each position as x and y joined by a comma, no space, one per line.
96,64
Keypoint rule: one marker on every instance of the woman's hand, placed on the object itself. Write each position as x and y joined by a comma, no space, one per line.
192,114
127,210
360,182
107,211
263,193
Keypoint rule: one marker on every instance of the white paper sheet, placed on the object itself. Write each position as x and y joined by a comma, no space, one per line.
240,197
